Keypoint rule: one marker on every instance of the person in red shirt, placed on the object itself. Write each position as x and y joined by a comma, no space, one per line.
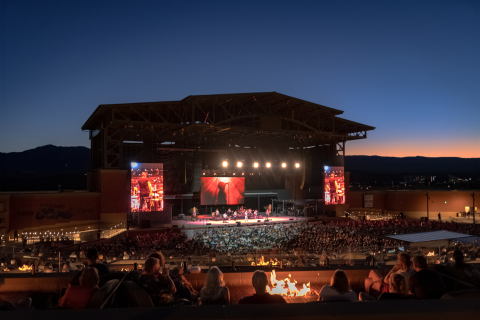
77,297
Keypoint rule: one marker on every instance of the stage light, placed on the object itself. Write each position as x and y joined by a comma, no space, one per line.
297,165
268,165
239,164
134,164
225,164
255,165
284,165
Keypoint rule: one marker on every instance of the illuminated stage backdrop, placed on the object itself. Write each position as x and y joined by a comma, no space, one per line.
146,188
216,191
334,185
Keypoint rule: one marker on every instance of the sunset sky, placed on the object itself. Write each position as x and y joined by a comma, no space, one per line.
409,68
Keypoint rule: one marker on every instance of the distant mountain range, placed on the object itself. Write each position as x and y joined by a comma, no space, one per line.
46,159
46,167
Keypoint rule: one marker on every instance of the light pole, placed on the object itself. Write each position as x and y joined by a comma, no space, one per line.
297,165
474,230
428,198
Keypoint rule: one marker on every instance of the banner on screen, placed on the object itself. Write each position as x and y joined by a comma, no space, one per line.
216,191
146,188
334,185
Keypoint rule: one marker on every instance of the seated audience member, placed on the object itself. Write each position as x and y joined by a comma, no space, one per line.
403,267
91,256
261,296
157,282
214,291
425,283
77,297
398,289
184,288
339,289
464,271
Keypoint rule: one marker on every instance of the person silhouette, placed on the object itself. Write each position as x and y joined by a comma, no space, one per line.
222,195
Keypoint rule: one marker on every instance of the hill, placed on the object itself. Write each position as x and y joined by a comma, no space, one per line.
45,168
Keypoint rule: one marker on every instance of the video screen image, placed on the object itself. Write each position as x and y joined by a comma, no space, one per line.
222,191
334,185
146,187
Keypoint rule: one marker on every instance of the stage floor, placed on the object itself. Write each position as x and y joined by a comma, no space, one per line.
204,223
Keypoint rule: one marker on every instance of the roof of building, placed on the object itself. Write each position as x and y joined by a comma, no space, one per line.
428,236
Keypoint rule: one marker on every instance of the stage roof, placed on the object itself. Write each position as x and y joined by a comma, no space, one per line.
240,117
211,123
428,236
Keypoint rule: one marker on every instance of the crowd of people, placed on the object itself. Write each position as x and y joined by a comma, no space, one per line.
410,278
320,237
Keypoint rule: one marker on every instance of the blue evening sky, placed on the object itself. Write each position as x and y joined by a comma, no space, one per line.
409,68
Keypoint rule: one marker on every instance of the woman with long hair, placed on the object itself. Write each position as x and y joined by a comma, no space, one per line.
214,291
403,267
398,289
380,284
339,289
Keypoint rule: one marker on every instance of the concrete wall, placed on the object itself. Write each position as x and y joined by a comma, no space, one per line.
115,195
414,202
37,211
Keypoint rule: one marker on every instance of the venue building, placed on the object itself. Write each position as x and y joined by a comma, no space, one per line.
213,152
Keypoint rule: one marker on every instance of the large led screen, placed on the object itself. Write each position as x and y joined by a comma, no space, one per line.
146,187
216,191
334,185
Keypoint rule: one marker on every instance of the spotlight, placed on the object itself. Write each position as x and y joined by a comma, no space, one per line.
225,164
239,164
268,164
297,165
255,165
284,165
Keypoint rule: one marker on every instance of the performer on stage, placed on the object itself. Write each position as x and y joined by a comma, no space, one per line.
332,182
255,214
225,216
246,216
235,216
267,213
145,189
